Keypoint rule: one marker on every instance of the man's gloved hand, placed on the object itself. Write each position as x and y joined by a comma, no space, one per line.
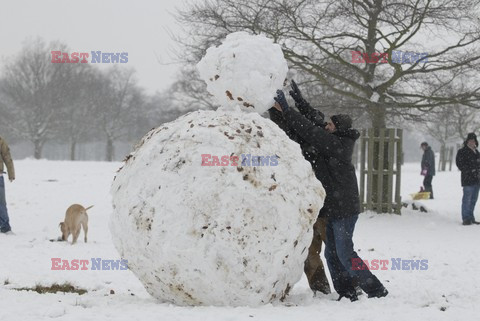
281,100
295,93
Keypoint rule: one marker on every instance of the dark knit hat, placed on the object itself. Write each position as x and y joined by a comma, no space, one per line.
472,136
424,144
341,121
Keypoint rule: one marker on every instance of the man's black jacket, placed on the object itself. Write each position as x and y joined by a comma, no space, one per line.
468,162
331,161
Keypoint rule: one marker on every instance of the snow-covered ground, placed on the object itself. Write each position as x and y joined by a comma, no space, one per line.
37,200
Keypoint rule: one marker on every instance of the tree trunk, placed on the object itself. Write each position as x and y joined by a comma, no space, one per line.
110,150
442,165
38,147
73,146
377,114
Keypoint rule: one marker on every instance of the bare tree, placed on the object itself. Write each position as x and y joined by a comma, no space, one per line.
466,120
452,122
37,89
7,111
189,92
318,38
117,102
77,117
161,108
440,125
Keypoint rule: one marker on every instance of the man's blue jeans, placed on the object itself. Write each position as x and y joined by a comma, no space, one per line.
4,221
470,196
340,254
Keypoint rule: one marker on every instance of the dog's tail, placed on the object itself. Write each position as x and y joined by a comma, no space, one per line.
88,208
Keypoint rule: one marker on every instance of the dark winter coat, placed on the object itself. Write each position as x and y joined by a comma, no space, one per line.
428,161
468,162
332,166
308,150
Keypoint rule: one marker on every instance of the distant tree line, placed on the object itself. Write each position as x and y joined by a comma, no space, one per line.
42,102
73,103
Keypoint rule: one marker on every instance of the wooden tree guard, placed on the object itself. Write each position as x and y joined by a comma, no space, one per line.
381,161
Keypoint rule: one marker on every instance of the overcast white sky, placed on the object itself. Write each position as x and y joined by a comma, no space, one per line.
136,26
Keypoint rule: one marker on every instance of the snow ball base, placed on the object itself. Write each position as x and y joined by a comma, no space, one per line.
229,235
244,71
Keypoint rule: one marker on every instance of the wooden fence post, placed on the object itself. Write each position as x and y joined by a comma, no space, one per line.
386,179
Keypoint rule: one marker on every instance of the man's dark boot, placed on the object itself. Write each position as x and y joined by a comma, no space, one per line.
380,293
352,295
319,282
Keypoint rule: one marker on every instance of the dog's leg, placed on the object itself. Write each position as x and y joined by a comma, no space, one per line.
76,233
65,236
85,229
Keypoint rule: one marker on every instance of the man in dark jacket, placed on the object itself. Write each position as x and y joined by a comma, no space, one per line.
313,268
428,167
468,162
335,144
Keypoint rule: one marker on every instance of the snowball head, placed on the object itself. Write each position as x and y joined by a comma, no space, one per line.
216,208
244,71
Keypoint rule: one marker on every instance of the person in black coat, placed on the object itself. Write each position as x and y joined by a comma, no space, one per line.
428,167
313,268
468,162
341,208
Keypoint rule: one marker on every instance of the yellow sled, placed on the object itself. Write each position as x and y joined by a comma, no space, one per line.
420,196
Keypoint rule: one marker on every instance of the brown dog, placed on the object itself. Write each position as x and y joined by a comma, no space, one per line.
75,217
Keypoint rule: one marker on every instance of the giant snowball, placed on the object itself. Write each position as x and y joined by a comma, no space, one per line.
244,71
217,207
233,235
